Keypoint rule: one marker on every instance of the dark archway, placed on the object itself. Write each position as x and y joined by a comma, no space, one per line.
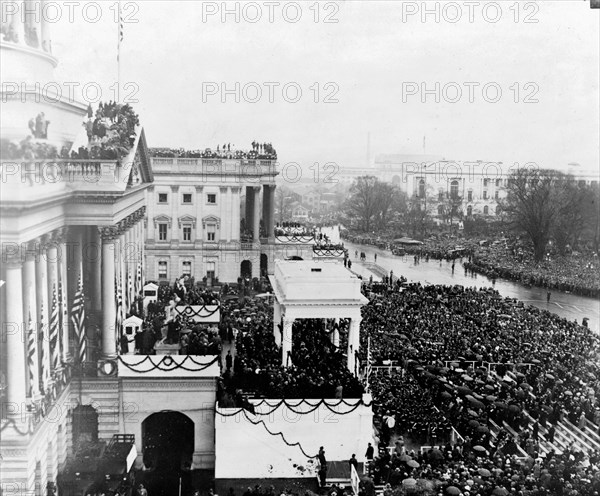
246,269
85,424
168,441
264,264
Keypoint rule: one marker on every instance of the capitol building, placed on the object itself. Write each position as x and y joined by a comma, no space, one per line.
93,224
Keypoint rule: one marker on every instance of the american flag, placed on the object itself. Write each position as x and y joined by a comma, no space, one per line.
45,366
54,327
31,355
64,316
119,305
78,319
139,283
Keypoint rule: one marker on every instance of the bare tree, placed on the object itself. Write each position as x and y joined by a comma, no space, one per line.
533,204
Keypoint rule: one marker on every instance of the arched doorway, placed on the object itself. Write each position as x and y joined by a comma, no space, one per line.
168,441
85,424
264,264
246,269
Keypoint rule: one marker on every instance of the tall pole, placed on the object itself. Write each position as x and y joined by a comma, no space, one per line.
119,39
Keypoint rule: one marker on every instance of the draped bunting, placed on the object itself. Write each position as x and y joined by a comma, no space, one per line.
167,364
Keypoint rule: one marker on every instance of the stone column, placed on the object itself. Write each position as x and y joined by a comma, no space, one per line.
42,304
45,32
235,214
277,322
265,208
286,343
70,258
230,216
174,215
33,22
53,254
271,223
93,254
30,315
256,215
16,24
14,331
353,343
150,202
249,207
109,311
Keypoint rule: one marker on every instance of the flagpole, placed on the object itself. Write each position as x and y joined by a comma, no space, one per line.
368,362
119,35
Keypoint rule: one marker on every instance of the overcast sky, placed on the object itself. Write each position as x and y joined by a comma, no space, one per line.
373,51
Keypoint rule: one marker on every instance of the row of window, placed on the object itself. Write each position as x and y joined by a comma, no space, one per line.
486,210
186,269
186,232
187,198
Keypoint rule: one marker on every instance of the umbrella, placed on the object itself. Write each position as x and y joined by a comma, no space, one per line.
478,448
500,404
535,361
489,387
483,429
500,491
484,472
446,395
550,376
413,464
405,458
459,371
467,377
514,408
264,295
477,404
409,482
547,409
491,397
473,423
437,454
453,490
568,393
463,390
472,413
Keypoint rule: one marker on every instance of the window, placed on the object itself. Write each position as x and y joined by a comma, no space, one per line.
485,195
163,198
486,210
186,268
440,195
469,195
187,232
497,195
454,189
469,211
440,209
485,183
187,198
211,198
498,182
498,209
211,232
210,270
162,231
162,270
422,188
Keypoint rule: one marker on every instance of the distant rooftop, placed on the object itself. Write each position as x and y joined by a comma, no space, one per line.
226,151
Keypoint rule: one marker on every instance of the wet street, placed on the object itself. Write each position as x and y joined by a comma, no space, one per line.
566,305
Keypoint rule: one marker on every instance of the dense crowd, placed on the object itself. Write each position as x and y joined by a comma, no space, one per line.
317,369
464,471
575,273
225,151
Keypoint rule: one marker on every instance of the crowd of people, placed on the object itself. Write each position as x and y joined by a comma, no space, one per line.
316,368
502,258
574,273
225,151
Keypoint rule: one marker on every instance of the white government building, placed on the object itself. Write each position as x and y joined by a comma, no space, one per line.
95,228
